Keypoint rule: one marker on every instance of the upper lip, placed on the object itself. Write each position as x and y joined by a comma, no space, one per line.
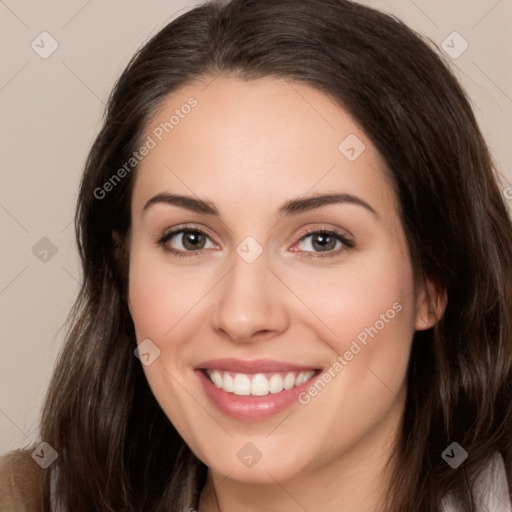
252,366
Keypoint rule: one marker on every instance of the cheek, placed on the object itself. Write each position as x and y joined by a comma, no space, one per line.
352,302
159,294
149,296
371,295
158,300
370,307
166,301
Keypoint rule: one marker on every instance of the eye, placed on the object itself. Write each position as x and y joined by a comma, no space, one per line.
185,242
322,243
188,241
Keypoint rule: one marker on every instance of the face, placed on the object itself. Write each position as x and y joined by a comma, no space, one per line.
269,269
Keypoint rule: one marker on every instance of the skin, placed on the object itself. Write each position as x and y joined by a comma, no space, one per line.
247,147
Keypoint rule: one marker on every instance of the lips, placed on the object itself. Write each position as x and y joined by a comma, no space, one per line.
253,389
253,366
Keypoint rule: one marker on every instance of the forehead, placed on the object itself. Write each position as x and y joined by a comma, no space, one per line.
264,140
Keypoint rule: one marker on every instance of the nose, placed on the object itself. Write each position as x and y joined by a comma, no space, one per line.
250,302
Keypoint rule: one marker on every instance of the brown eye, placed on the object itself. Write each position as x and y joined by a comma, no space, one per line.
321,242
193,240
184,241
324,243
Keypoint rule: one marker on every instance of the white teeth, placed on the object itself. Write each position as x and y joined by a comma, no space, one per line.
229,384
275,384
217,378
289,381
303,377
260,385
242,384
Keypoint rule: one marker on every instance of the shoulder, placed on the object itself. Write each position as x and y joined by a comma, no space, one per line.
491,487
19,480
494,487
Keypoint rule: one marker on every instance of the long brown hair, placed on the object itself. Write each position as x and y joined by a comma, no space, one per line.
117,450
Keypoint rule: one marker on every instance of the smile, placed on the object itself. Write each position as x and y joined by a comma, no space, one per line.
259,384
253,390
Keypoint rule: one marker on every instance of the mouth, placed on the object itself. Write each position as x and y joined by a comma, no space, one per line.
253,390
259,384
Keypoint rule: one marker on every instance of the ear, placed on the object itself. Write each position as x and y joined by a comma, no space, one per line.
431,303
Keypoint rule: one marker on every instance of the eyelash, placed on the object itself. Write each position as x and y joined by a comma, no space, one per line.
348,244
338,235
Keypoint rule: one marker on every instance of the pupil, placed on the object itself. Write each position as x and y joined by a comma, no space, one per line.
322,241
192,239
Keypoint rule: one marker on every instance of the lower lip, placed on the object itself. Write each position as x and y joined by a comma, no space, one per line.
251,408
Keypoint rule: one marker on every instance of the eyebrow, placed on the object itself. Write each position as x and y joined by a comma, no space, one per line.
290,207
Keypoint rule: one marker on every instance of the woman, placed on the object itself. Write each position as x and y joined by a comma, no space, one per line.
290,217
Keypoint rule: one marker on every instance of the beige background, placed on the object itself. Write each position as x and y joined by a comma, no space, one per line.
51,109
